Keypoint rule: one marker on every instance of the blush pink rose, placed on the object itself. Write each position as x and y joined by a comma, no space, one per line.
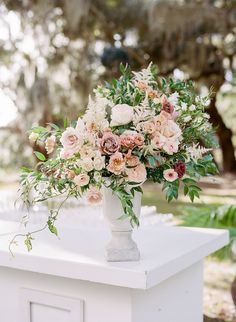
71,140
158,141
121,114
171,147
94,195
170,175
166,115
81,180
131,160
109,143
139,139
127,139
65,154
137,174
116,163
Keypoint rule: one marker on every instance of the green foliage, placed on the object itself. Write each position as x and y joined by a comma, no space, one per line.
222,217
40,156
28,242
126,197
172,189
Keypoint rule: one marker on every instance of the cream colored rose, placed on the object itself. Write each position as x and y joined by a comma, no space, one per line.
121,114
86,164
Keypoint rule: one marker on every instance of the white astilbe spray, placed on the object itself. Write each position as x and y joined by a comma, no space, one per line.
142,112
145,76
195,152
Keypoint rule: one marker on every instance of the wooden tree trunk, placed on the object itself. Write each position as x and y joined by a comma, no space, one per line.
225,138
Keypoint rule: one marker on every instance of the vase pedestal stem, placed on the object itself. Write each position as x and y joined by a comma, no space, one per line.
122,247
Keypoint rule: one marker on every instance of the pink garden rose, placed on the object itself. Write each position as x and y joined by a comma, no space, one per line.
81,180
127,139
139,139
131,160
116,163
71,141
109,143
137,174
170,175
65,154
121,114
94,195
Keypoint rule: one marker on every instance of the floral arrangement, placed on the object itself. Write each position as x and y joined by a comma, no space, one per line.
136,128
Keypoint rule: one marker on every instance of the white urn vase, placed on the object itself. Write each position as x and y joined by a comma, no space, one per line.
121,246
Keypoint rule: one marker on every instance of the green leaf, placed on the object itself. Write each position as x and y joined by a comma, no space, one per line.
39,129
54,126
51,227
189,181
28,242
40,156
66,123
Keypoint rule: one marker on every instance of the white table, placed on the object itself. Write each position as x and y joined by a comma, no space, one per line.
68,280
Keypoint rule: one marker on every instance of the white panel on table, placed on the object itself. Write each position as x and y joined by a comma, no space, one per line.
38,306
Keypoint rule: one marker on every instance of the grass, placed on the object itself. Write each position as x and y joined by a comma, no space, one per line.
213,194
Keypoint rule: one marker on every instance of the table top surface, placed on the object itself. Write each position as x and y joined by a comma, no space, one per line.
79,253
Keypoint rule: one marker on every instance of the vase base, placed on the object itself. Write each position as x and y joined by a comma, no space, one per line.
114,255
122,248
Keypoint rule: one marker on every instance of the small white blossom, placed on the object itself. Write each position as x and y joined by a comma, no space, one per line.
184,106
97,176
206,116
173,98
187,118
192,108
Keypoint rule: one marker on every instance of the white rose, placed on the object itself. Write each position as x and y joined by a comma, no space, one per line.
87,164
121,114
98,163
